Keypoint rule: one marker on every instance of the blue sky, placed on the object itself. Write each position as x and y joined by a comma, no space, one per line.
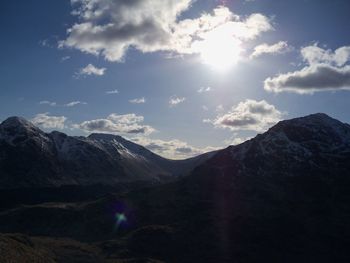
180,77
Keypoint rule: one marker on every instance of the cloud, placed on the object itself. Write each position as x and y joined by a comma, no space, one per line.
114,123
49,42
65,58
112,91
219,108
74,103
236,139
311,79
111,27
91,70
204,89
239,140
173,149
138,101
46,102
278,48
205,108
316,55
174,100
326,71
49,122
54,104
249,115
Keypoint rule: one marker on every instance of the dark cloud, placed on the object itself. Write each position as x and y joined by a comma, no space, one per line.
128,124
184,150
239,121
320,77
326,70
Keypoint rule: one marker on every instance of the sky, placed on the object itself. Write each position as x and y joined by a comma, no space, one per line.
181,77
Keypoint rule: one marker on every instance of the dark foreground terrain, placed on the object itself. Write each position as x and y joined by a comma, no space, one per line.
280,197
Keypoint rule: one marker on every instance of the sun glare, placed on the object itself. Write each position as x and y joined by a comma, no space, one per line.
220,49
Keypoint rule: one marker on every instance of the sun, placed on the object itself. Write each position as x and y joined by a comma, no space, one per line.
220,49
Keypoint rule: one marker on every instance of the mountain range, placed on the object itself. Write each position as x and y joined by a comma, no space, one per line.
282,196
30,157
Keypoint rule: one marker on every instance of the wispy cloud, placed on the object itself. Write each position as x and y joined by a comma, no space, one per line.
90,70
278,48
174,100
219,108
65,58
112,91
69,104
138,101
204,89
74,103
46,102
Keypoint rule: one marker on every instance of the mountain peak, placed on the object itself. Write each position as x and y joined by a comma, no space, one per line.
318,117
18,124
14,127
15,121
317,121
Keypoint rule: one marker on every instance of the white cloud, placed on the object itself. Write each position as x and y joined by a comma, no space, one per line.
239,140
75,103
65,58
114,123
49,122
48,43
46,102
204,89
219,108
172,149
278,48
248,115
316,55
138,100
235,140
54,104
174,100
91,70
110,27
112,91
326,71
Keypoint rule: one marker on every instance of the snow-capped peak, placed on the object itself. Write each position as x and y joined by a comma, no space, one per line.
15,127
17,122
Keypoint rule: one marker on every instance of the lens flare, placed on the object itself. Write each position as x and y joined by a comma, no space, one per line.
121,218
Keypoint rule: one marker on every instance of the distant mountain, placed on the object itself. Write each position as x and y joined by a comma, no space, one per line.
313,145
30,157
280,197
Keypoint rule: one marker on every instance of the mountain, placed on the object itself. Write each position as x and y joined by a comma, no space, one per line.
30,157
280,197
313,145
